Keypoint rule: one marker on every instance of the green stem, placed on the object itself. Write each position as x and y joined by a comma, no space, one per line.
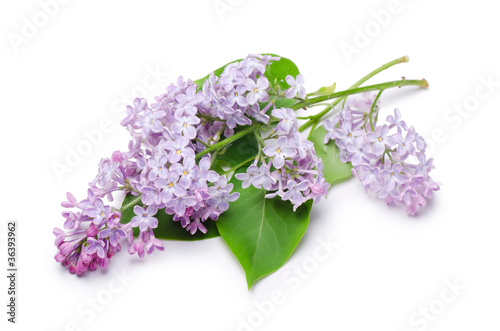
283,96
364,79
239,165
202,142
260,142
226,141
370,115
376,87
314,125
379,69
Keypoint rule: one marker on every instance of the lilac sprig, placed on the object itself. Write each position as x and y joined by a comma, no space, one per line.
389,159
92,233
165,166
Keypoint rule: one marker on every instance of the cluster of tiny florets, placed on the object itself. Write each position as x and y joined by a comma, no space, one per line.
389,159
167,171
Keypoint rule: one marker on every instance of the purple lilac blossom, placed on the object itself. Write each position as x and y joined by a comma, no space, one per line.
249,176
144,218
279,149
258,90
114,234
295,86
290,168
160,174
389,160
288,119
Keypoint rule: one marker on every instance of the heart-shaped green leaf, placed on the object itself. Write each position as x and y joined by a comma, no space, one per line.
262,233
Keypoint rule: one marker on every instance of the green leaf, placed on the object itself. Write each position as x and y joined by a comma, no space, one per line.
325,90
167,227
278,70
334,170
276,74
262,233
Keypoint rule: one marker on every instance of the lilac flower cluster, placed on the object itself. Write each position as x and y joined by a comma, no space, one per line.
92,233
167,169
289,165
164,170
389,159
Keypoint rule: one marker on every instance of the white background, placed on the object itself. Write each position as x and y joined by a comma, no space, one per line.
70,74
